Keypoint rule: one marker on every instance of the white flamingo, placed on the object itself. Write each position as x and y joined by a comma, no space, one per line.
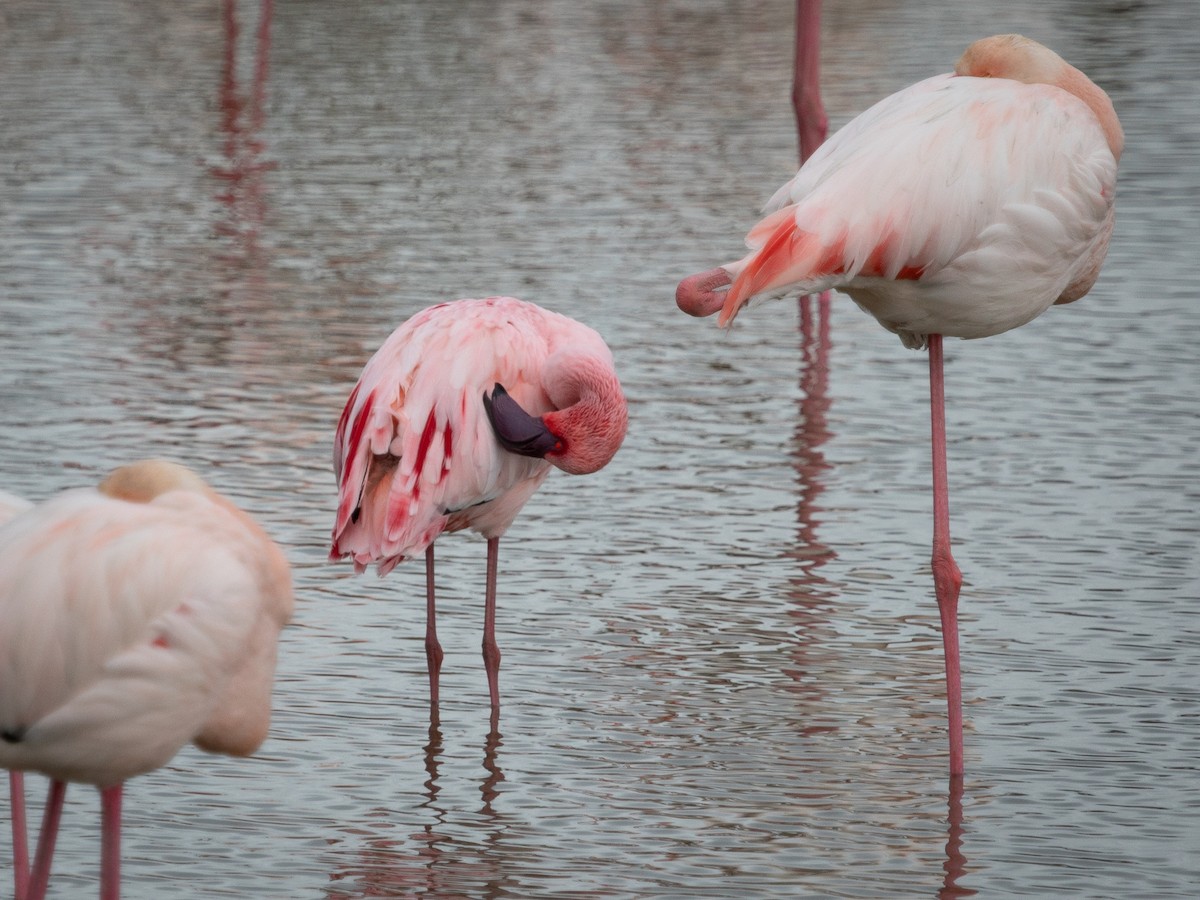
134,618
965,205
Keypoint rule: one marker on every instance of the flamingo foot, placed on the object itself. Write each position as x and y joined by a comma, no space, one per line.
700,294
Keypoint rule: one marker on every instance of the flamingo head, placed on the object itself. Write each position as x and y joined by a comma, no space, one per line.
585,430
142,481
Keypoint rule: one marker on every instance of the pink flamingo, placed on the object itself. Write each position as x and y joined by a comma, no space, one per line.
965,205
454,423
134,619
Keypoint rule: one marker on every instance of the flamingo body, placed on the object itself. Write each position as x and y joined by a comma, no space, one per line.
455,422
964,205
128,629
134,619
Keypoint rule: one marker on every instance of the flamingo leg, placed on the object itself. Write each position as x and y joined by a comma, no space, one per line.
947,578
110,842
16,789
812,125
811,121
433,649
491,650
39,879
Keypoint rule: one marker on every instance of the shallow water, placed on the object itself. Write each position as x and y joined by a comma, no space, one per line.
722,665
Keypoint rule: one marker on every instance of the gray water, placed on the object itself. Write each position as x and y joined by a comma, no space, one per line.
722,665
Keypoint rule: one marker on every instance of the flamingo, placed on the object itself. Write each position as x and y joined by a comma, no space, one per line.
964,205
454,423
134,618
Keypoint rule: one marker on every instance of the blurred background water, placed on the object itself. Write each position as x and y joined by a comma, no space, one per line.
722,667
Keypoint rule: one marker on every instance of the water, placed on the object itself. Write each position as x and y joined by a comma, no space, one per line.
722,668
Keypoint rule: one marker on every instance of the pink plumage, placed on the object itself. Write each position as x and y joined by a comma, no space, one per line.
965,205
456,421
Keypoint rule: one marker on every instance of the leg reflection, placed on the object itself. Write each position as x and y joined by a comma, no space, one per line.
956,863
810,592
433,759
495,775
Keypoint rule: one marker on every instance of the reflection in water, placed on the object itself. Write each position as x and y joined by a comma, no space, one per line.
443,865
811,434
197,302
431,835
956,863
491,751
243,196
809,591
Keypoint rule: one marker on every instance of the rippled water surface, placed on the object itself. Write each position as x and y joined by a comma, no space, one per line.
722,670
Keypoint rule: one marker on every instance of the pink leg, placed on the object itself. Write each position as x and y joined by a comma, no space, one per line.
491,650
947,579
110,842
40,878
433,649
16,789
811,121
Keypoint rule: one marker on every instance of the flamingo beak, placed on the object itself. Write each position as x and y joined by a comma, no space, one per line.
516,430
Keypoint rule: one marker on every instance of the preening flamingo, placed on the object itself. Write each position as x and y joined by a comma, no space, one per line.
134,618
454,423
964,205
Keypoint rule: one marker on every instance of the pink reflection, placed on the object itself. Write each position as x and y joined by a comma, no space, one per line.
955,864
809,591
811,430
242,119
430,862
